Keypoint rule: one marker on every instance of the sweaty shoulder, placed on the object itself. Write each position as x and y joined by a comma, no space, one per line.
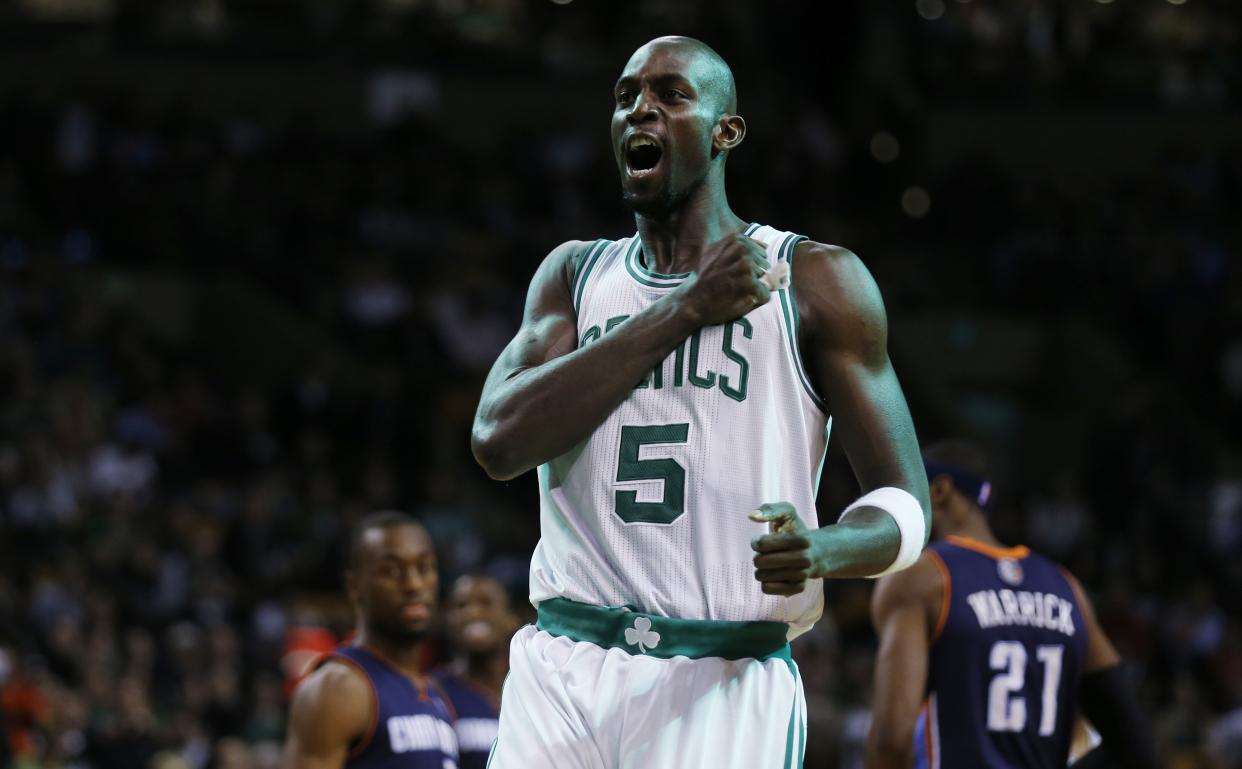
334,701
568,257
837,298
550,292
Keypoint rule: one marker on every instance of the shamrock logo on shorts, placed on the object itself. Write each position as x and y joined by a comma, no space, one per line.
642,635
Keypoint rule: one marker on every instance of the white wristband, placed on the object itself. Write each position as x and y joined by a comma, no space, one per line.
908,514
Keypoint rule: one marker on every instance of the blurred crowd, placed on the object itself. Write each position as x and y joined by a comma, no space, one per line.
229,334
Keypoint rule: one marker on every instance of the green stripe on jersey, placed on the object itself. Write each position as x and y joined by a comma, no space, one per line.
789,311
646,277
634,265
618,627
582,259
593,254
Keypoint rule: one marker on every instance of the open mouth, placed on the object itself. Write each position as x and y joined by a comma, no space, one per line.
642,155
416,611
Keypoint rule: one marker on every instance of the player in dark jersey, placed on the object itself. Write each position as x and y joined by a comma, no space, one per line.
367,706
480,622
987,653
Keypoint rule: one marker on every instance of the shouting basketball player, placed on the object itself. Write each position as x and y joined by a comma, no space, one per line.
675,389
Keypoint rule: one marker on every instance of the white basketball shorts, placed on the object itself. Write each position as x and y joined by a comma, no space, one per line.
591,687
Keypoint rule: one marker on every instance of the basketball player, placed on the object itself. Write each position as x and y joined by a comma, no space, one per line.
367,705
675,389
988,652
480,623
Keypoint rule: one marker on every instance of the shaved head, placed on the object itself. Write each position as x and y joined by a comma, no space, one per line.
708,69
674,122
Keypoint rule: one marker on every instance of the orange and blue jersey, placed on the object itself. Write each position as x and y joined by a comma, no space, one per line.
413,725
478,718
1004,663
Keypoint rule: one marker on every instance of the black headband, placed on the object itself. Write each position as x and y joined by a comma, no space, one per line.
970,485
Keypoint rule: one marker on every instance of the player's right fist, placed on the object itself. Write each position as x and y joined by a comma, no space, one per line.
727,284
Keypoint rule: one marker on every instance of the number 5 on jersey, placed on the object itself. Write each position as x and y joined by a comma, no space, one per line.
630,468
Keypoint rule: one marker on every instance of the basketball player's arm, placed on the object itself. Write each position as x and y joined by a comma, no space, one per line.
904,608
844,341
1109,701
545,394
331,710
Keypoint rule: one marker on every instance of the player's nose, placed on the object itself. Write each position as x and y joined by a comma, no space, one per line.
643,109
412,581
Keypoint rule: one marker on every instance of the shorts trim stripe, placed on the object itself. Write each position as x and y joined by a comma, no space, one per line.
801,723
789,762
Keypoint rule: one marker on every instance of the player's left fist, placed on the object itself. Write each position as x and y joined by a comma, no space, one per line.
783,559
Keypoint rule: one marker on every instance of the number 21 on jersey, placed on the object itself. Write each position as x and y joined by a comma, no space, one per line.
1006,694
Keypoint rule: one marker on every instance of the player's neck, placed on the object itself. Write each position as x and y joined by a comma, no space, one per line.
485,670
673,242
977,531
402,655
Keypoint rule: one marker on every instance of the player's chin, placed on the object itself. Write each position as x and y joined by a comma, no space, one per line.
645,195
413,635
408,630
647,204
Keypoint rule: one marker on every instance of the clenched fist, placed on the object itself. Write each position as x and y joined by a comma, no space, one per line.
728,282
784,560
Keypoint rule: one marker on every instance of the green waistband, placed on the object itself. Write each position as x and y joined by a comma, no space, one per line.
664,637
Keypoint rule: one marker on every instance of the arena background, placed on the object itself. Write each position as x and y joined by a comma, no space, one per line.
256,257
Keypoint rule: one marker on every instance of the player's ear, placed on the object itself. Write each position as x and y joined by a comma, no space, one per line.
941,488
728,132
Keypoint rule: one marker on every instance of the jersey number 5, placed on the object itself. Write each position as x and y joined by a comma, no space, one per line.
1006,708
630,468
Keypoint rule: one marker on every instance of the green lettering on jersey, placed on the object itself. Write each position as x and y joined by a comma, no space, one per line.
726,387
679,357
614,322
706,382
591,335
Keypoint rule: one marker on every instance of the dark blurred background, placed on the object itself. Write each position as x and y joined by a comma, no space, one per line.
256,257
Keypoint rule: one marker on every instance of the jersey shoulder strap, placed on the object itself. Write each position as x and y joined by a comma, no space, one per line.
587,264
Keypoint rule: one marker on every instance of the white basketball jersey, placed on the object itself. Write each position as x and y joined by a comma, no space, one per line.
651,510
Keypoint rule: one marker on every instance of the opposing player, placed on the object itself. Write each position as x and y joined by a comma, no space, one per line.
675,389
987,652
367,705
480,623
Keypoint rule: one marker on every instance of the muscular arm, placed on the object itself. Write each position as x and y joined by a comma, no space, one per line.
844,341
545,394
331,710
904,609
